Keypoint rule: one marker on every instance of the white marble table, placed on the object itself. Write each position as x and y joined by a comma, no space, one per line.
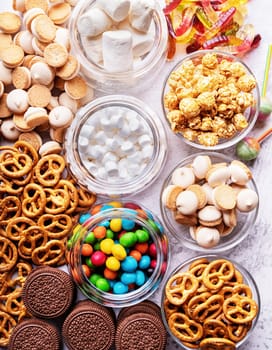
255,253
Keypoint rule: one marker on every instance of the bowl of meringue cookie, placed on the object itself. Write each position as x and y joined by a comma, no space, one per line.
209,202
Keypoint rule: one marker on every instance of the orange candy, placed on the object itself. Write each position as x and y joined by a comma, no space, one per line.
141,247
86,270
100,232
86,250
136,254
96,209
109,274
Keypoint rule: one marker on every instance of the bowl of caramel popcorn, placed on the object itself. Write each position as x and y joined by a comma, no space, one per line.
211,99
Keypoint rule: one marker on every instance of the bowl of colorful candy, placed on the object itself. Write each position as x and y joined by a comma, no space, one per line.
209,202
118,253
210,302
211,99
116,146
121,44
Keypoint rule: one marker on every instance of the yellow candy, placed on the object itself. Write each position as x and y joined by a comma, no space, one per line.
106,245
112,263
118,251
116,224
77,228
116,204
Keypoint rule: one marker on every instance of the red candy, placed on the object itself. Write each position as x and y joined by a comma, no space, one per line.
98,258
153,250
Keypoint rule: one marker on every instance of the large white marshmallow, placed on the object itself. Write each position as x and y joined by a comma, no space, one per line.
141,12
116,9
117,51
93,48
94,22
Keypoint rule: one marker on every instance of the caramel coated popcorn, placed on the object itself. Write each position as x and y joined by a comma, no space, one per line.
207,99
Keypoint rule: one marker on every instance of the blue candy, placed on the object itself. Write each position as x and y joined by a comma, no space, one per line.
84,217
129,264
128,277
144,263
106,206
105,223
140,278
127,224
120,288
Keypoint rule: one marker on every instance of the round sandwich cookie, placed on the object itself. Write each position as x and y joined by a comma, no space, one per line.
34,334
48,292
139,331
89,326
146,306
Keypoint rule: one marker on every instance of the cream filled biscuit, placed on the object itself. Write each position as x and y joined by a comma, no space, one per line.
43,28
70,69
59,13
35,116
230,217
183,177
76,88
224,197
201,165
60,117
169,196
210,216
247,200
240,174
21,78
5,74
187,202
4,110
217,176
10,22
207,237
33,138
39,95
18,5
17,101
55,55
29,16
12,56
50,147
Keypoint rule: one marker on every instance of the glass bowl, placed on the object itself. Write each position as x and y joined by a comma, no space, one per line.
245,220
211,103
139,149
104,214
237,329
145,67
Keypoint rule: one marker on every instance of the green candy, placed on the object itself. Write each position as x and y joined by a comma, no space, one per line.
94,278
90,238
109,234
96,246
128,239
103,284
142,236
89,263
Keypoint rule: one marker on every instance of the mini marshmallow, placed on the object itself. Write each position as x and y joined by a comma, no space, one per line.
105,122
113,144
124,130
109,156
127,147
116,9
100,138
134,124
92,167
117,51
111,168
102,173
83,144
93,22
147,152
9,130
17,101
141,13
96,152
87,131
67,101
144,140
41,73
117,119
135,157
5,74
60,117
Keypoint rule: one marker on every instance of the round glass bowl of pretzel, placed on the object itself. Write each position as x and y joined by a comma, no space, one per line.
121,45
118,253
210,302
209,202
116,145
211,99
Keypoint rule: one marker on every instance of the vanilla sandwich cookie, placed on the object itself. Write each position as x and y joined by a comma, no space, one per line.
42,73
35,116
67,101
50,147
240,174
187,202
17,101
5,74
55,55
60,12
69,70
24,39
141,14
200,193
12,56
207,237
217,176
57,134
43,4
60,117
33,138
169,196
29,16
93,22
2,88
183,177
224,197
18,5
247,200
117,51
10,22
21,78
43,28
210,216
9,131
116,9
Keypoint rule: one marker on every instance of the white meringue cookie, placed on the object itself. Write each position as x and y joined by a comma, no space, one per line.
54,102
183,177
36,48
141,12
9,130
209,193
67,101
238,174
5,74
62,37
207,237
247,200
200,165
25,41
219,176
116,9
209,213
41,73
17,101
60,117
187,202
94,22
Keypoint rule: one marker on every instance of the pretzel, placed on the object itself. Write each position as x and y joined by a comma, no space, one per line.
7,186
242,290
215,329
217,272
14,304
10,207
208,307
27,148
49,169
57,201
49,254
7,323
33,237
169,308
217,344
238,331
8,254
197,262
34,200
180,286
16,227
15,165
185,329
23,180
73,194
18,275
57,226
240,309
86,199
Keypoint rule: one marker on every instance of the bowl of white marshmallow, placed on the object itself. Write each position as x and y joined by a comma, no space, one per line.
119,43
116,146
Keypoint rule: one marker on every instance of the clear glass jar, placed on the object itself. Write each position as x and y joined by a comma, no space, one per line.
251,113
247,279
135,80
245,220
157,236
122,186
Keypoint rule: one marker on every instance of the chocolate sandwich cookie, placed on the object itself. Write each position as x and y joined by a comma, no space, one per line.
140,331
89,326
146,306
48,292
34,334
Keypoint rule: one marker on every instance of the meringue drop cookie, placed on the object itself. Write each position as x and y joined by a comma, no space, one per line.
183,177
50,147
240,174
247,200
60,117
187,202
42,73
9,130
17,101
201,165
207,237
35,116
217,176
